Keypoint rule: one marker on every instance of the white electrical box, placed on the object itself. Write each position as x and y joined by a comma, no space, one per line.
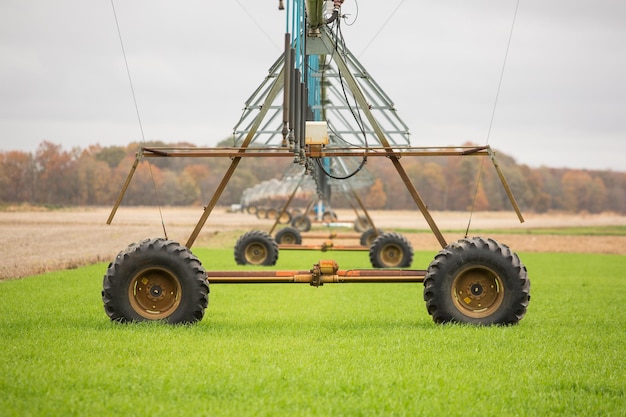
316,133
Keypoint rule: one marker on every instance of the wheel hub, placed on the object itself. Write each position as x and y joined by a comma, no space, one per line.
391,255
154,293
256,254
477,291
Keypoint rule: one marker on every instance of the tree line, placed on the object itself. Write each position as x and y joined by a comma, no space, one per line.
94,175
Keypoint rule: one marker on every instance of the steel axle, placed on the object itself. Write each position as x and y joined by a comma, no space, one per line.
324,272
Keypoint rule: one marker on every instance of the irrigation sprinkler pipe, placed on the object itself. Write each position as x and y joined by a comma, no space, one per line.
394,153
328,245
324,272
331,235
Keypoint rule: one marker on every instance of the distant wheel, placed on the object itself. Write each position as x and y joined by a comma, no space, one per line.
361,224
369,236
251,209
256,248
261,213
295,212
285,218
301,222
329,216
288,236
391,250
271,214
477,281
155,279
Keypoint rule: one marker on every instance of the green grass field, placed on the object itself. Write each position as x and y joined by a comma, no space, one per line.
339,350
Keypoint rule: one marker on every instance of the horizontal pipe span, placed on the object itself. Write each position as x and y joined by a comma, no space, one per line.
307,277
323,247
332,235
325,152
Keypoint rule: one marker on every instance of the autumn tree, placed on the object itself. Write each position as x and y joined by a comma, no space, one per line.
52,170
17,170
95,175
376,198
576,190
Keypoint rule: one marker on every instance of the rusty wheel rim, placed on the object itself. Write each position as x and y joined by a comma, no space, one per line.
256,253
288,239
391,255
477,291
370,239
154,293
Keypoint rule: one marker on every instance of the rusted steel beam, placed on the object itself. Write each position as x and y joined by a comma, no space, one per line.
332,235
505,184
326,246
393,156
255,152
235,161
309,277
120,196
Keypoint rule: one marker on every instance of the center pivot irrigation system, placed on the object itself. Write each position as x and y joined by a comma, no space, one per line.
473,280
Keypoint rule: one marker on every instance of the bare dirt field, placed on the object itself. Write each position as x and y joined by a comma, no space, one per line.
36,241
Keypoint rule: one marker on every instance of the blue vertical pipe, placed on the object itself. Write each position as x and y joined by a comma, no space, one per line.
315,91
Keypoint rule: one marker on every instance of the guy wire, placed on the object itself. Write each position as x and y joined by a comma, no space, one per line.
143,138
493,114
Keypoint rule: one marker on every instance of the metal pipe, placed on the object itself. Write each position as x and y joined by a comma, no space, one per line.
331,235
360,98
371,151
304,111
286,88
275,89
505,184
292,109
296,110
310,277
120,196
325,247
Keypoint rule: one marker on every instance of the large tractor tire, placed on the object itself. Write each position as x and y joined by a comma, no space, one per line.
155,279
477,281
301,222
391,250
288,236
256,248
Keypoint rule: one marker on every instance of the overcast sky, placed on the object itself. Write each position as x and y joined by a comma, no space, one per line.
194,63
